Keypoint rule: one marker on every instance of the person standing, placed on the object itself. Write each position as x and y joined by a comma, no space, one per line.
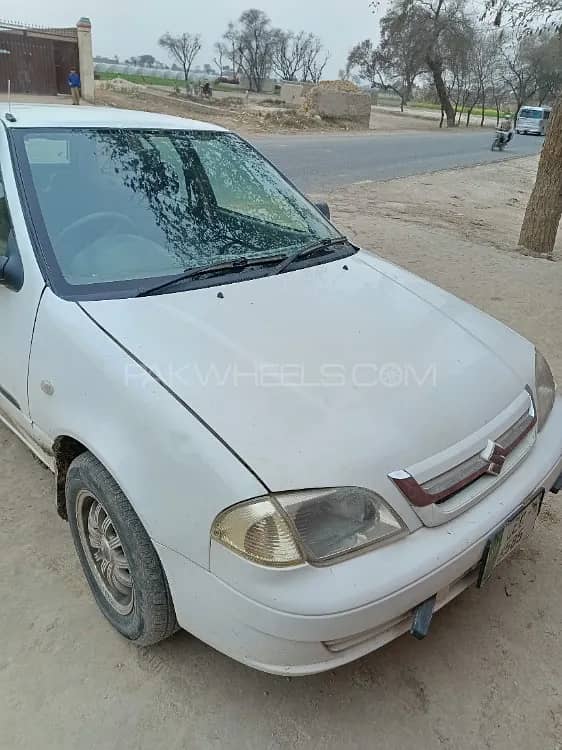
74,83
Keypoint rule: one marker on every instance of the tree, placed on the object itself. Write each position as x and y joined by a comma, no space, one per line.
289,54
380,68
484,59
220,56
182,48
441,29
366,60
315,59
542,217
252,44
549,68
230,47
402,58
299,55
544,210
146,60
519,68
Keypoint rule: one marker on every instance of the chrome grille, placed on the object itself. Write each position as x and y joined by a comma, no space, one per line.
479,473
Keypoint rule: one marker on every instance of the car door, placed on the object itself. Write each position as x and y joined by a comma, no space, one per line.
18,307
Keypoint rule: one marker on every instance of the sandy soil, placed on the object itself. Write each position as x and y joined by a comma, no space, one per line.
488,675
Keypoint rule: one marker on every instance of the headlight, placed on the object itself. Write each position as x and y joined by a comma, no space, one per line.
311,525
545,389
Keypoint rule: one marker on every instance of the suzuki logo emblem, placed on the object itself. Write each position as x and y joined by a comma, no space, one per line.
495,455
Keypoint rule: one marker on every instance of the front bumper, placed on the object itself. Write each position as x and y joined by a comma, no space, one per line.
307,620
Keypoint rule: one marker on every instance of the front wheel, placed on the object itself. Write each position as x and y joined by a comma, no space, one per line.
117,556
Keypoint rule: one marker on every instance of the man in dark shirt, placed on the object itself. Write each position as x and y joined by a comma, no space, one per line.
74,83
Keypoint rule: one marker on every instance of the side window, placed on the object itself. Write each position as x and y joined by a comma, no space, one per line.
5,222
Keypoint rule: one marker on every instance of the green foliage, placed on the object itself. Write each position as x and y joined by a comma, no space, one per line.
144,80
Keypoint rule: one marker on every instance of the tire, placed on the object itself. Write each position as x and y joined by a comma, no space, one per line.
518,132
125,576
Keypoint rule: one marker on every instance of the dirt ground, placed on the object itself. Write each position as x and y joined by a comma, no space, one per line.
252,121
488,675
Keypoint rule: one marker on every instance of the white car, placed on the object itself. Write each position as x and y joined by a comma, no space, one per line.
288,446
533,120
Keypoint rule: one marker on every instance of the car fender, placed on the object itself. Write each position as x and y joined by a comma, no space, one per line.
177,474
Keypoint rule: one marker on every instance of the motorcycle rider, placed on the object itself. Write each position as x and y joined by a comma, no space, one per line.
505,129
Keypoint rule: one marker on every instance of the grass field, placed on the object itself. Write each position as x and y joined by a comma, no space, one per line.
145,80
437,107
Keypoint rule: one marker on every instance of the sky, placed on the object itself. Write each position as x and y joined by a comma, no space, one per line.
127,27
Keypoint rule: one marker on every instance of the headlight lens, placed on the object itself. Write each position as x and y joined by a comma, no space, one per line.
258,531
313,525
545,388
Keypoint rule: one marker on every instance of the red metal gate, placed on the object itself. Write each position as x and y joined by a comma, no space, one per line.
36,63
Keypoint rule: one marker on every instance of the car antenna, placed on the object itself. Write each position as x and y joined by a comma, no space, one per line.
9,116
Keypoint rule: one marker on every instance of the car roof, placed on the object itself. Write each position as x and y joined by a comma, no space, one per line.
85,116
533,107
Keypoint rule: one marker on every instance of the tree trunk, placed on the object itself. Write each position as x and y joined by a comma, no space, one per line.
542,218
442,93
483,118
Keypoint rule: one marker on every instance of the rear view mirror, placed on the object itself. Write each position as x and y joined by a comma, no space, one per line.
11,268
324,209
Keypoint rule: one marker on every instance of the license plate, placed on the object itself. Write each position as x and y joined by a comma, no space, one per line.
510,536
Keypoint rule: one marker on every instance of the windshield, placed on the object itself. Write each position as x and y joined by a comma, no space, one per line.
532,114
118,206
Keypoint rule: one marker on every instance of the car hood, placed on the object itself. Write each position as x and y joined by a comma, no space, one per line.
330,375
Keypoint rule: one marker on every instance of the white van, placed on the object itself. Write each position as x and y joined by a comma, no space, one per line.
533,120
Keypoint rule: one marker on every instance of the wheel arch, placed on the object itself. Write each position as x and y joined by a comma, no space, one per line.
65,450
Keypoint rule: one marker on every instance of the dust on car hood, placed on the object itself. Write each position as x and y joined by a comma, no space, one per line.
329,375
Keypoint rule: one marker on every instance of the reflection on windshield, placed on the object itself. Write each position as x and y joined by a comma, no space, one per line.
121,205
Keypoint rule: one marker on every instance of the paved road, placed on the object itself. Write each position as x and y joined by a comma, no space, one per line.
317,162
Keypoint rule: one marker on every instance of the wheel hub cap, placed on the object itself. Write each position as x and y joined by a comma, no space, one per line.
105,553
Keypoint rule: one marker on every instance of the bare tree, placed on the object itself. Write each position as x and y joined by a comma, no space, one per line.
519,69
231,44
457,64
527,14
484,58
221,54
289,54
365,60
182,48
549,68
381,69
544,210
253,42
315,59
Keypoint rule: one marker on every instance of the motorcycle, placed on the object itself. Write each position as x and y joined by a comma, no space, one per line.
501,139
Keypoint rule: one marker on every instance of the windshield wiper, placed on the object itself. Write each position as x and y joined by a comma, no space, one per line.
319,246
238,264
